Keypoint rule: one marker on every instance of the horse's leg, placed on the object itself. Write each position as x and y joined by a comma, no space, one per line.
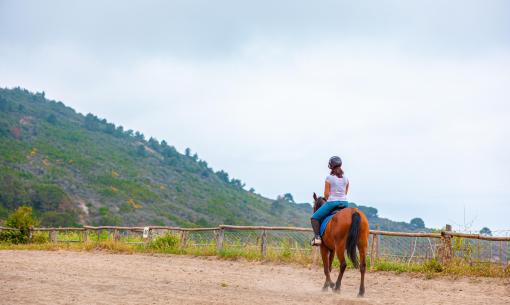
331,258
340,253
362,248
325,260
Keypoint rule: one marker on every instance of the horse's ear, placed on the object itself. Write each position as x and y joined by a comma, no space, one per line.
314,196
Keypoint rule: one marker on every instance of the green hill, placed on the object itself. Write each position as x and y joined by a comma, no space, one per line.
75,169
81,169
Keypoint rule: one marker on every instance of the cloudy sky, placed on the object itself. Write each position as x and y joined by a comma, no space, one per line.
413,95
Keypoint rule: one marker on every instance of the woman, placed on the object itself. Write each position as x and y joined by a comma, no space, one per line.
335,192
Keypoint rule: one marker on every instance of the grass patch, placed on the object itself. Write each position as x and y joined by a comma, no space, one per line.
455,267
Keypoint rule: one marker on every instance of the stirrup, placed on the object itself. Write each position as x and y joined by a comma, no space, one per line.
316,241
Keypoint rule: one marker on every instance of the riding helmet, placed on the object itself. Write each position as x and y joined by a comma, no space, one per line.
334,161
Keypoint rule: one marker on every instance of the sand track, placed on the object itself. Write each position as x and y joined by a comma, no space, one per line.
40,277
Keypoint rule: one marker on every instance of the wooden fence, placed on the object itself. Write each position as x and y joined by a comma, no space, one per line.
441,246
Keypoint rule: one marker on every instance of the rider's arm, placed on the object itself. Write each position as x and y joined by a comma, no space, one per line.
327,188
347,188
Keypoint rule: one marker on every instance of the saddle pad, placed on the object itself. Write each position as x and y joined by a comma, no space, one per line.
324,223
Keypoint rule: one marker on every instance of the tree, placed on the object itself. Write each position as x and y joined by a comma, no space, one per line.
223,176
187,152
370,212
91,122
119,132
4,129
52,119
418,223
288,197
169,151
154,144
139,136
21,219
5,105
203,164
252,190
140,151
486,231
237,183
109,128
277,206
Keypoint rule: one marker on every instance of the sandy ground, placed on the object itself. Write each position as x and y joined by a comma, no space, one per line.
39,277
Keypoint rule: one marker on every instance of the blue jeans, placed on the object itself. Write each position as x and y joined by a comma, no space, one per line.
326,208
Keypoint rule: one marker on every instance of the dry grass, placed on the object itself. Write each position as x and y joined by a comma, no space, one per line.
170,245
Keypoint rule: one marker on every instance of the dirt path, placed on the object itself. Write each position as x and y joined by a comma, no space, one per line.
39,277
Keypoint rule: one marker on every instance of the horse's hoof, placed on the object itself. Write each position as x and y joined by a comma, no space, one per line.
360,295
331,285
325,289
336,290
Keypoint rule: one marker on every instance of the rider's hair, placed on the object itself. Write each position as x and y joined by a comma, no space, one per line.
337,171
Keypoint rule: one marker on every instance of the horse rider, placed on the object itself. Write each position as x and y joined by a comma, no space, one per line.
335,192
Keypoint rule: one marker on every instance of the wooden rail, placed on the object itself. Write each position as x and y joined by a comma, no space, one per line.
266,228
8,229
228,227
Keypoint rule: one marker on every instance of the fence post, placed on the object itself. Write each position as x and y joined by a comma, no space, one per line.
219,240
263,245
184,239
53,236
30,234
373,250
501,252
85,235
116,236
446,240
98,235
315,256
478,250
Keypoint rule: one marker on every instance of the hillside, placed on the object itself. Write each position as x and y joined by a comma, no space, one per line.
75,169
81,169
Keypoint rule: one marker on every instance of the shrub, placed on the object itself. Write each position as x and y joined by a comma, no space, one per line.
40,238
10,237
165,242
432,266
21,219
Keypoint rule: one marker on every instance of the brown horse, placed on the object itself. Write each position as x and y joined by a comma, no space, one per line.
346,230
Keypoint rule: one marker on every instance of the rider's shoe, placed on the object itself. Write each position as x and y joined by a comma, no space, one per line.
316,241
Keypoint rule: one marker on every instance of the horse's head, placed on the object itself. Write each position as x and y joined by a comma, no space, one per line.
317,202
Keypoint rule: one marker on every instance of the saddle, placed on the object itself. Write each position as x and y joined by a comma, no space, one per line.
325,221
336,209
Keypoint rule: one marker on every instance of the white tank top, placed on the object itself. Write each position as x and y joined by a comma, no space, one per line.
338,187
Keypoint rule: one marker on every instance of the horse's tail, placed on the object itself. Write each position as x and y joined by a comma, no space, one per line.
352,239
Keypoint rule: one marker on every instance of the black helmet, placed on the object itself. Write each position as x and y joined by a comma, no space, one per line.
334,161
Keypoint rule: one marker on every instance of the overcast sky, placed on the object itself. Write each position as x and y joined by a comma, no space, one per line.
413,95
